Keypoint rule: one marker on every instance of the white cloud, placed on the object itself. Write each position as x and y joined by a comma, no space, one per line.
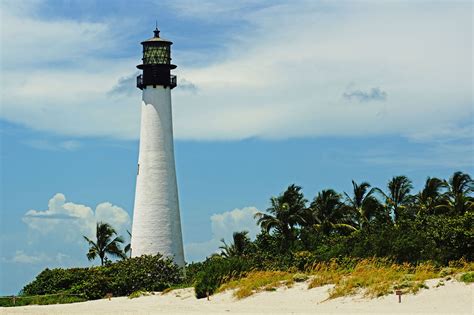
57,79
44,144
70,221
21,257
223,225
283,73
114,215
216,9
286,77
30,41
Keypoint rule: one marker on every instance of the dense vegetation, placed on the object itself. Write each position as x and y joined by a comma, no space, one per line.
404,235
146,273
435,224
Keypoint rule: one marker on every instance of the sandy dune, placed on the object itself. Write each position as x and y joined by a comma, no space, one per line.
453,298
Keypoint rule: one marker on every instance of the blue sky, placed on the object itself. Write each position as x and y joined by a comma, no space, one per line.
315,93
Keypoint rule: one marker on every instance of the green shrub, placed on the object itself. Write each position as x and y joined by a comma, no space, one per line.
96,285
303,259
206,284
446,271
146,273
138,294
217,271
192,271
300,277
51,281
468,277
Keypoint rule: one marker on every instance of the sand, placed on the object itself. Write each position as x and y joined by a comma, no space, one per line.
452,298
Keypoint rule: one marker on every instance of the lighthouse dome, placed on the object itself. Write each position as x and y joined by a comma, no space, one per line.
157,39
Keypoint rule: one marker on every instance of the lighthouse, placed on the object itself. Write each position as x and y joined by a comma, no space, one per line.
156,220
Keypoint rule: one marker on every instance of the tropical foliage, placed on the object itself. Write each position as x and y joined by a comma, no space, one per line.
285,213
107,242
146,273
435,224
240,245
369,221
216,271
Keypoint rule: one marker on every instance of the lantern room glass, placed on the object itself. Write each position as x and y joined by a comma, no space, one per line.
156,54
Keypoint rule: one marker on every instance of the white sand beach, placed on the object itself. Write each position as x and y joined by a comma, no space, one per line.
452,298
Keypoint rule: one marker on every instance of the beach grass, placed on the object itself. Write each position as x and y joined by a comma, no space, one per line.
257,281
378,277
372,277
468,277
138,294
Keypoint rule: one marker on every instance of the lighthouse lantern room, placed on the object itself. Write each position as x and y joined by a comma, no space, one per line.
156,64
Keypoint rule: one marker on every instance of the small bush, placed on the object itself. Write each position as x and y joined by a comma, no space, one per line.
303,259
468,277
191,272
218,271
146,273
52,281
95,286
447,271
417,287
300,277
138,294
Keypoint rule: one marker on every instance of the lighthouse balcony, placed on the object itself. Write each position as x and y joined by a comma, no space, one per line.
141,84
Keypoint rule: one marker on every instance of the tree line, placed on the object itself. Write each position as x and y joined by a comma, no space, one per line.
435,223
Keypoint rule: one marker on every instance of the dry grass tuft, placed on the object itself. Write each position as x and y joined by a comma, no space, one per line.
166,291
257,281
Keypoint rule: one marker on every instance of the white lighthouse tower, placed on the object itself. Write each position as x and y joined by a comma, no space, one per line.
156,219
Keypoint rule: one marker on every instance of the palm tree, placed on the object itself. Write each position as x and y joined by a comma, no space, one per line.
458,198
279,219
398,196
326,213
429,199
106,243
362,203
295,199
285,213
238,247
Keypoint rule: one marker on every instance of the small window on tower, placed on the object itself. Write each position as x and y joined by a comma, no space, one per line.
138,170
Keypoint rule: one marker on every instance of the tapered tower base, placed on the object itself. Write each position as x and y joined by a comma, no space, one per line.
156,218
